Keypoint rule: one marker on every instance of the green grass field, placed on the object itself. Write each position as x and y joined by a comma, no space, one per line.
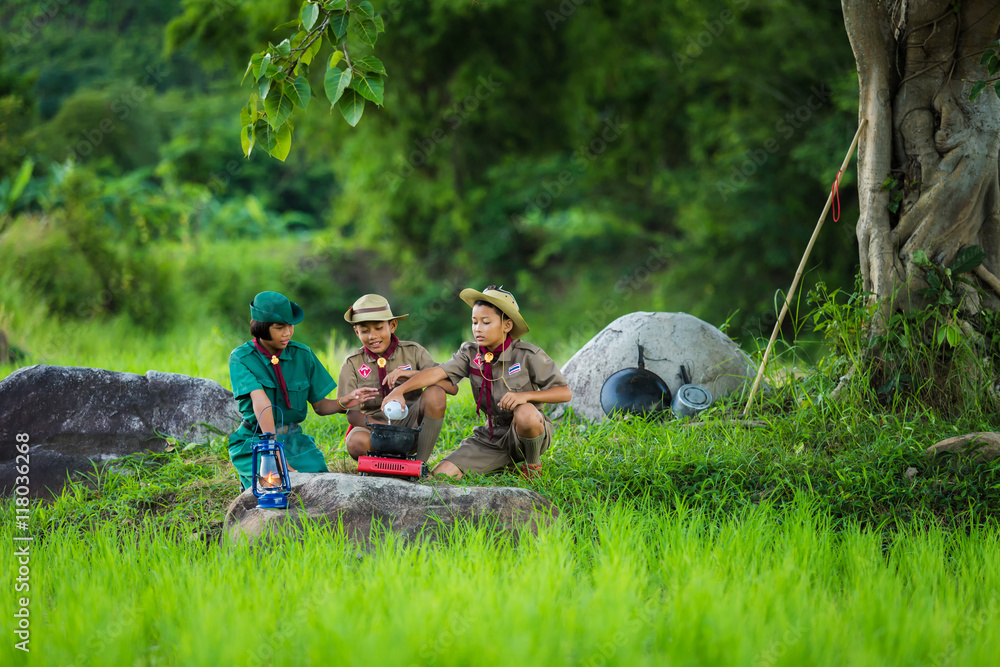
799,540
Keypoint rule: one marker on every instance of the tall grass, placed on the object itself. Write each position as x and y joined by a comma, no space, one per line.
619,583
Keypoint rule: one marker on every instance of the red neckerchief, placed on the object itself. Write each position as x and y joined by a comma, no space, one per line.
485,371
272,358
393,344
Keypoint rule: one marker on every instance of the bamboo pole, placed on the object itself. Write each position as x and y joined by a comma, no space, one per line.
802,266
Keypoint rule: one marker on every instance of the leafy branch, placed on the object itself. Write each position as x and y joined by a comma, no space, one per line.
990,58
281,73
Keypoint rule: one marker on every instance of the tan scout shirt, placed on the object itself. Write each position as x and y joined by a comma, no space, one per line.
521,367
360,370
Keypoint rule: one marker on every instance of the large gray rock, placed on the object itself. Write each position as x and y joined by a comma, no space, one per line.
668,341
981,447
73,416
407,508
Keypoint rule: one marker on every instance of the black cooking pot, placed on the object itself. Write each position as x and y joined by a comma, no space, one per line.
389,439
635,391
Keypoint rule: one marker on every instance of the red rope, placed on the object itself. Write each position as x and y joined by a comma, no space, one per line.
835,191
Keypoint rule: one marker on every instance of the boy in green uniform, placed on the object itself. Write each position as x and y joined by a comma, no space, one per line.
383,361
508,377
273,370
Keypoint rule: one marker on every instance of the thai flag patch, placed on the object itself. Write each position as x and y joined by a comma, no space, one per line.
407,367
364,371
513,369
478,360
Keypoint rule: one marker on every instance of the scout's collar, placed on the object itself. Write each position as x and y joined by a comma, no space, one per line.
485,371
380,361
273,359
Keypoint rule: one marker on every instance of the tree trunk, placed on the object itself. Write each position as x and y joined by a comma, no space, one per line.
917,61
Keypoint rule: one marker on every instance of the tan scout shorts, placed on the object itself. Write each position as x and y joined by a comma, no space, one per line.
412,420
478,453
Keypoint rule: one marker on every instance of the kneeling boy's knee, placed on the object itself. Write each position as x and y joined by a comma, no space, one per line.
435,400
527,416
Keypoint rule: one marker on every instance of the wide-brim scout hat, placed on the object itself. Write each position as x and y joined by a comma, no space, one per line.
275,307
503,300
371,308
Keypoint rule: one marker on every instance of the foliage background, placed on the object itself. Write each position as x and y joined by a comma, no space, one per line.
594,157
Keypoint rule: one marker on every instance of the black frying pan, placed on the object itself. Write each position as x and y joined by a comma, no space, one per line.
635,391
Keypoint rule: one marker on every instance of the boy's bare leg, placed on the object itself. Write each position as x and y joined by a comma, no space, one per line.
359,443
448,468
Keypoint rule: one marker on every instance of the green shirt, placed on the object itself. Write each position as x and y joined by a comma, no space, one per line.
306,378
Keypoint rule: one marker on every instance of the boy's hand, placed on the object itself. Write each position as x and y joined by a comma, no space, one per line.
359,396
511,400
397,375
394,395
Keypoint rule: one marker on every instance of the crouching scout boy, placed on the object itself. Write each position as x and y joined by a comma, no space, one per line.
382,362
272,369
508,377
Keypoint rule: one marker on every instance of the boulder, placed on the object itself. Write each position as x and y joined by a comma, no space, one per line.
980,446
408,509
668,341
73,416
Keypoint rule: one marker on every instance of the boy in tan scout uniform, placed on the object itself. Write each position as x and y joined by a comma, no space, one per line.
382,362
508,377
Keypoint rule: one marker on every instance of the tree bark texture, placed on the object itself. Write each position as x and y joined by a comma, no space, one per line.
917,61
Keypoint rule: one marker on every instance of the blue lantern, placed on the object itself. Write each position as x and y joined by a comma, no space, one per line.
270,473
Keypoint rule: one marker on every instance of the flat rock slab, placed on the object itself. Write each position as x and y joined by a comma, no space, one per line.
983,446
669,340
410,510
73,416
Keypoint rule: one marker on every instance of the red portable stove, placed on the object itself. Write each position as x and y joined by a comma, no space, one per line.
390,452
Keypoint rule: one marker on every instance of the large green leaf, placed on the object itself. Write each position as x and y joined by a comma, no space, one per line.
977,88
364,10
967,259
370,86
299,92
366,31
369,64
264,135
264,87
282,142
278,107
309,14
338,25
247,115
351,106
284,48
246,139
260,65
335,5
335,82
